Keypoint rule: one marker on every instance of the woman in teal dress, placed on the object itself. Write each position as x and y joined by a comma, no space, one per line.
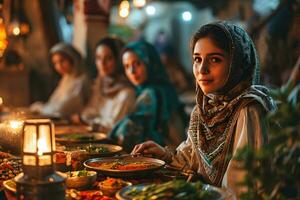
157,103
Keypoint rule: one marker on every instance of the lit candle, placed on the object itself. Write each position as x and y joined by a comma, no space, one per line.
1,101
37,140
39,179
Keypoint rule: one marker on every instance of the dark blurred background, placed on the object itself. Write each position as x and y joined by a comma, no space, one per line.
28,29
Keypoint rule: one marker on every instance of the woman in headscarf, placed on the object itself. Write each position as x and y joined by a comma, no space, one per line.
72,92
157,102
230,106
112,96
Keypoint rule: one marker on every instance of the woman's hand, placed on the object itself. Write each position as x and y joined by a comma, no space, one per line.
150,148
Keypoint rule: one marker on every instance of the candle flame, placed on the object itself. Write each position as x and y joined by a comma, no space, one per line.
41,146
15,124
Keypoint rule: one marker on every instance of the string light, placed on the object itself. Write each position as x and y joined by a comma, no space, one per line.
124,9
139,3
150,10
186,16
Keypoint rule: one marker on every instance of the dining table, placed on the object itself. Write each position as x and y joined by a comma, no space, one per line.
74,143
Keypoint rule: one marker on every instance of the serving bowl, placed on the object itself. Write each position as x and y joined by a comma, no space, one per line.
10,189
110,186
80,179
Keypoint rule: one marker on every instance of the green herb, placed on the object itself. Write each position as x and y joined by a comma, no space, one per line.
274,171
177,189
94,149
82,173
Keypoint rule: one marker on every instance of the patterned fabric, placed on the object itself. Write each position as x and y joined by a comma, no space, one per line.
215,116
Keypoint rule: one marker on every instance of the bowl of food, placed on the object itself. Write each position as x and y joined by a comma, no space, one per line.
80,179
10,189
110,186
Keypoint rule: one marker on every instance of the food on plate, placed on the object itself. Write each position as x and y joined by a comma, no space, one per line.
80,173
111,185
76,136
72,194
123,165
80,179
4,156
9,169
91,148
80,137
177,189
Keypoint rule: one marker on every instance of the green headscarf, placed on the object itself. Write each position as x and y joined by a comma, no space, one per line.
156,78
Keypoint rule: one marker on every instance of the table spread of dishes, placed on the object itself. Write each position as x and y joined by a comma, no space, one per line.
96,169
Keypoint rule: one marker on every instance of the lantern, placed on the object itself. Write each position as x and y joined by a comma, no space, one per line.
39,180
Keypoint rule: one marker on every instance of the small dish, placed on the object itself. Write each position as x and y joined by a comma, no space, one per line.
80,179
10,189
110,186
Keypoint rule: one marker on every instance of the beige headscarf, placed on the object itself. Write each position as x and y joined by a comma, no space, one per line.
69,51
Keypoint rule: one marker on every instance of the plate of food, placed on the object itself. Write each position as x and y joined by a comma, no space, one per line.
94,150
176,189
71,194
80,137
69,129
10,166
124,166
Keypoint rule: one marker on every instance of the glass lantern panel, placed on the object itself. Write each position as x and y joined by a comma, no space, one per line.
53,137
44,140
29,160
29,145
45,160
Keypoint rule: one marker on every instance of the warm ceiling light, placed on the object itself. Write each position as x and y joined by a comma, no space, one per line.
139,3
124,13
186,16
150,10
3,38
18,25
124,9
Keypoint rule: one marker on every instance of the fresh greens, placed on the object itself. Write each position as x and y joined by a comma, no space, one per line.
96,149
274,171
78,173
177,189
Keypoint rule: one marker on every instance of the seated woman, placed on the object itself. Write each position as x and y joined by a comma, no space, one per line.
156,103
112,95
230,107
72,92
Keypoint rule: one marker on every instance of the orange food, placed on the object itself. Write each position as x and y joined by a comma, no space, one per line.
118,165
113,183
